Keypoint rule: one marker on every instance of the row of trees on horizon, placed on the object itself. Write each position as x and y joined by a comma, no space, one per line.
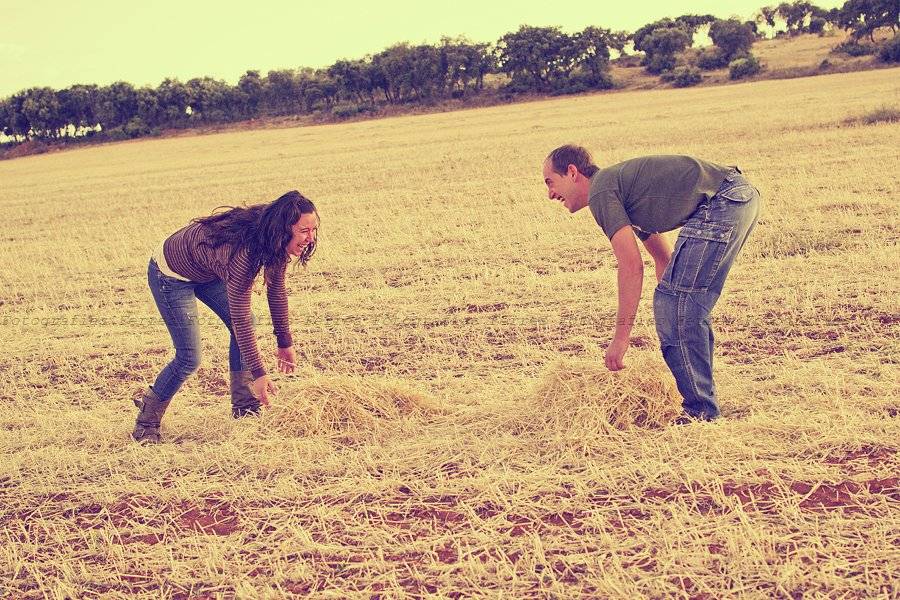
542,60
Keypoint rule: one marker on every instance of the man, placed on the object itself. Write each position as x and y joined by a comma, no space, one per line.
716,208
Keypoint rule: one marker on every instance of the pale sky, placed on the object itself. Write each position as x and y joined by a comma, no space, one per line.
58,43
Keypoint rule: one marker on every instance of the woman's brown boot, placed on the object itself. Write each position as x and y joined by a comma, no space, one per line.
243,402
152,408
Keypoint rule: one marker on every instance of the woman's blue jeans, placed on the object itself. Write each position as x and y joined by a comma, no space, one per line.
704,252
177,303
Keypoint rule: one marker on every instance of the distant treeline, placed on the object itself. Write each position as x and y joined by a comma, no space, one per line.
535,60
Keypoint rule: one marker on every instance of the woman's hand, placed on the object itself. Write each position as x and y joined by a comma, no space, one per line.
287,359
262,387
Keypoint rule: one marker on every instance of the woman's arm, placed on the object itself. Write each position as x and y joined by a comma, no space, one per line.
238,284
278,305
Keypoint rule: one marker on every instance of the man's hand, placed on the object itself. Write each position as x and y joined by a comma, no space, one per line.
615,354
262,387
287,359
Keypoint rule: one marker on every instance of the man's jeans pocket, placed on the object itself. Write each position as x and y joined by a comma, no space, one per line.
697,257
737,189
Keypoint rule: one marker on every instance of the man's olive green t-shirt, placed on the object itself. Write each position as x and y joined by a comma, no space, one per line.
652,194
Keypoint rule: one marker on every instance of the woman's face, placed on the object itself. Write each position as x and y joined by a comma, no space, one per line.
304,231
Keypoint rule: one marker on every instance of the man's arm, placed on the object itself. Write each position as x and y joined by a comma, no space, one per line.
630,279
661,251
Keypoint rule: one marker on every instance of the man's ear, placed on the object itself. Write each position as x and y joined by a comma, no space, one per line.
571,170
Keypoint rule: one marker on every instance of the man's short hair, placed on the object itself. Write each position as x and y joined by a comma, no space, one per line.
571,154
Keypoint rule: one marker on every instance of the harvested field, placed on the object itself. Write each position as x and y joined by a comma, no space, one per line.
452,431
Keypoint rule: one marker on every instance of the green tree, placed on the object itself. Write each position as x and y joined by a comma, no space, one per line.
732,37
394,65
77,105
662,40
329,89
378,77
282,92
695,22
117,104
411,72
352,76
592,46
767,15
429,74
863,17
149,110
816,25
251,85
211,100
661,46
535,57
743,67
6,117
465,64
316,88
41,108
173,98
793,14
688,23
752,25
17,124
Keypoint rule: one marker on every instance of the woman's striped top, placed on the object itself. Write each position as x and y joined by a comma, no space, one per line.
188,254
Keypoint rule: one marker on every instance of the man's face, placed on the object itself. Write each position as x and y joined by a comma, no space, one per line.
562,188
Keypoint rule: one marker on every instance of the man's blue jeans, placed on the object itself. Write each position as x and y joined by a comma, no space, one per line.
177,303
704,252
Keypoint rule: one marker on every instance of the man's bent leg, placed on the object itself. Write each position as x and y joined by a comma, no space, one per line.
704,253
686,341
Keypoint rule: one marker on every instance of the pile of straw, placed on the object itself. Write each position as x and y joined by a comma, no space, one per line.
581,393
344,407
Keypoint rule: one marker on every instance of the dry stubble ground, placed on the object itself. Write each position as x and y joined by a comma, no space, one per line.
453,432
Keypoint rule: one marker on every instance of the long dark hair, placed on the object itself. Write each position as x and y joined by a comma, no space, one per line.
264,229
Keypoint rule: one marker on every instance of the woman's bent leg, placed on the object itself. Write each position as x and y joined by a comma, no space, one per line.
243,402
177,305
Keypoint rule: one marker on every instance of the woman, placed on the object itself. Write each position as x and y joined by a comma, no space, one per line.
217,259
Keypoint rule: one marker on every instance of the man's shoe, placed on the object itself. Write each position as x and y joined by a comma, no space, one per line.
686,419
